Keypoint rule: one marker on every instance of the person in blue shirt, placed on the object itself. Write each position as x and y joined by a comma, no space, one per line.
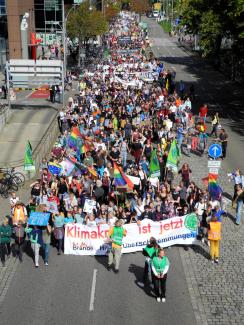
180,136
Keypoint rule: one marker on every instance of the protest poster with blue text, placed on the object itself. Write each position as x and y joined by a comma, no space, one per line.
38,219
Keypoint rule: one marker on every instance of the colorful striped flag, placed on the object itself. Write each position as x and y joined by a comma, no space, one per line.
213,187
84,148
75,133
54,168
121,181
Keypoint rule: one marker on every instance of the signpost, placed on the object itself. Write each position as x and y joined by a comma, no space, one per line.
215,151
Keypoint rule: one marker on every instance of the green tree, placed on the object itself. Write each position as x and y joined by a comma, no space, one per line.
213,21
85,24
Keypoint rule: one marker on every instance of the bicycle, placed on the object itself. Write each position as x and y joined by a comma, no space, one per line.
10,181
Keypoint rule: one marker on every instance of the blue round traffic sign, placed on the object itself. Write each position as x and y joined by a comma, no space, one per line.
215,150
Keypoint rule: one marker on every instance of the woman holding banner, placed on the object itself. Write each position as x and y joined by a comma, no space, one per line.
160,267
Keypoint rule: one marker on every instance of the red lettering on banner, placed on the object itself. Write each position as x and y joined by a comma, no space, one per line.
177,224
76,232
69,231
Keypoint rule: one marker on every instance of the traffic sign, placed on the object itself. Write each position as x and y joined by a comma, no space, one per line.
215,150
213,170
214,163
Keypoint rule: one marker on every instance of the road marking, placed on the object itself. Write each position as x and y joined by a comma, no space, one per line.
93,289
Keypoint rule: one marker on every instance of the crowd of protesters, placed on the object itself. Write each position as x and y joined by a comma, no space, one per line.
125,110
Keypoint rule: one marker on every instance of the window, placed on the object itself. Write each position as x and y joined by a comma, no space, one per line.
2,7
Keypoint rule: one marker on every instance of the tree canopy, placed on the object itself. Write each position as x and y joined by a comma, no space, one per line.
213,21
84,23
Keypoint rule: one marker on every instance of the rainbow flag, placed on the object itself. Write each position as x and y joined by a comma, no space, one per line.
84,148
213,187
74,140
121,181
75,133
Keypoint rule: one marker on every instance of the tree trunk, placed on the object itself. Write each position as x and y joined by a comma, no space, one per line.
79,53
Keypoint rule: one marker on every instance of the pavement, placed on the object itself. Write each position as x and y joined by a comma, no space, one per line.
26,124
197,291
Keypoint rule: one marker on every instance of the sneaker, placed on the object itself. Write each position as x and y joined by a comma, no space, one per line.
216,260
158,299
46,263
36,266
163,299
109,267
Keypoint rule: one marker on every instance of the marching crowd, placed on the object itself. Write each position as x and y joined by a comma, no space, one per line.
126,117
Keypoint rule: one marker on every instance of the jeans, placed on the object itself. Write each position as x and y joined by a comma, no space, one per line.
179,140
224,148
60,244
19,247
36,248
214,130
46,248
239,211
3,247
124,159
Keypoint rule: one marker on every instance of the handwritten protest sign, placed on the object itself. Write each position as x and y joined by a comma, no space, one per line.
52,207
38,219
89,206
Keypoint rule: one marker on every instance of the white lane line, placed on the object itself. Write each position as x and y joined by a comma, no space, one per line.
93,289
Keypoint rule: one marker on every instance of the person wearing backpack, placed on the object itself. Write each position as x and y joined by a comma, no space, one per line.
5,238
149,252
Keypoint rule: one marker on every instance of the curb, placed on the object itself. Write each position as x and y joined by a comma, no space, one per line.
194,293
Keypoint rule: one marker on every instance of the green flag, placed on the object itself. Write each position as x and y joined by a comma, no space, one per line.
173,156
29,163
154,165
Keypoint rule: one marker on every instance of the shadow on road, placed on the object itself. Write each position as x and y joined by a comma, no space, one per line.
103,260
138,272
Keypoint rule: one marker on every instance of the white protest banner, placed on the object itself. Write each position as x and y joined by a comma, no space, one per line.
89,206
84,240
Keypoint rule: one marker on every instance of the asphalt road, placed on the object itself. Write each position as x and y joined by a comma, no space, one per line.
61,293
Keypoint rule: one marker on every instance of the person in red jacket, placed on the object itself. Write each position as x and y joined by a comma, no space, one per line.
203,111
